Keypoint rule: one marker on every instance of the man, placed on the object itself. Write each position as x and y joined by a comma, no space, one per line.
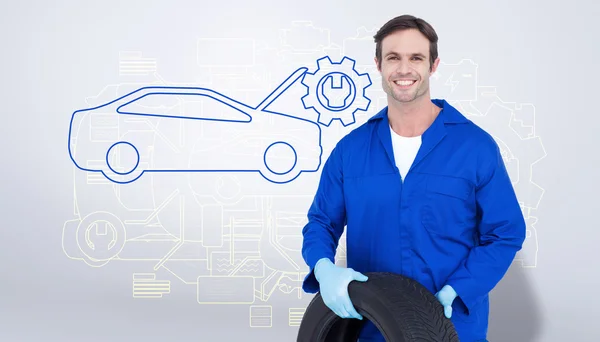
422,192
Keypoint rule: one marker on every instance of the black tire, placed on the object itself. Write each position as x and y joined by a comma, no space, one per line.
402,309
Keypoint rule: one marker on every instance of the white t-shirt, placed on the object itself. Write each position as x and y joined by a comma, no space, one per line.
405,150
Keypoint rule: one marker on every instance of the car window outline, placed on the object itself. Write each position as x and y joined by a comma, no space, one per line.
182,117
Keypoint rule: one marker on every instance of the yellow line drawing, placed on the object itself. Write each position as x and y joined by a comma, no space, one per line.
145,285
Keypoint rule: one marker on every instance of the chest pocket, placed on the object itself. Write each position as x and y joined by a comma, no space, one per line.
448,206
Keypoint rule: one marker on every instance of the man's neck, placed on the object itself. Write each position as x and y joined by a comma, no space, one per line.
411,119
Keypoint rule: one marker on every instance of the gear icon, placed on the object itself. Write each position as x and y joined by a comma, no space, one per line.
336,102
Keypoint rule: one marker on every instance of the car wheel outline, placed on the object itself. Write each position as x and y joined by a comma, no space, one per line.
280,177
137,153
275,144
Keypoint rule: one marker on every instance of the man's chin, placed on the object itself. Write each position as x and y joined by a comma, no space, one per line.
404,98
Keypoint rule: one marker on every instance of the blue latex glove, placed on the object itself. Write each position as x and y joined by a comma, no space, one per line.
333,285
446,296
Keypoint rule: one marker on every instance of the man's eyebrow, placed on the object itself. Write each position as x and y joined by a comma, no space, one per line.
417,54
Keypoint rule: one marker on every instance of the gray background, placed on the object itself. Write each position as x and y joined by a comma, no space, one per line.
55,54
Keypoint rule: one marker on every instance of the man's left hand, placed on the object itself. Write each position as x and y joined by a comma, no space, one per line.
446,296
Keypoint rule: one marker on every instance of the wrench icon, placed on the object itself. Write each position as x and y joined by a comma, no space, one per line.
336,96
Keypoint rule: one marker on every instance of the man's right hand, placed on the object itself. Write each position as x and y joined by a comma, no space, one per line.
333,283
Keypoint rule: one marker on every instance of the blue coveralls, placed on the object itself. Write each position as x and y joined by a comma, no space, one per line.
454,219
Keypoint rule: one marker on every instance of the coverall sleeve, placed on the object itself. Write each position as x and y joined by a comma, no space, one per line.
326,219
501,227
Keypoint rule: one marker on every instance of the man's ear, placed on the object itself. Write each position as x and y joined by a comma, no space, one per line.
434,66
377,64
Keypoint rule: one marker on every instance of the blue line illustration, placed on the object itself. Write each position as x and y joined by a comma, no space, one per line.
322,80
278,146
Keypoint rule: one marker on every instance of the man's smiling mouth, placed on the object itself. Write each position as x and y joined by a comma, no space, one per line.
404,84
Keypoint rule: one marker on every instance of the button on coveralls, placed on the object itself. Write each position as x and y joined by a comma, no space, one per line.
454,219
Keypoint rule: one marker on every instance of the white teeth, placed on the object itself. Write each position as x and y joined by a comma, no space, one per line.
404,83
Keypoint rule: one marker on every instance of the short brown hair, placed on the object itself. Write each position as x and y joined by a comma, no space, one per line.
405,22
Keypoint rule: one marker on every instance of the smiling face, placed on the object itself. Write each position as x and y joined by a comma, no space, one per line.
405,67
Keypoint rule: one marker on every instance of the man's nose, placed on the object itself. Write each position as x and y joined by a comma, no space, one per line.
403,68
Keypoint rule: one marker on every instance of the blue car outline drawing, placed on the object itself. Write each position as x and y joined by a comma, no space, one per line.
305,149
